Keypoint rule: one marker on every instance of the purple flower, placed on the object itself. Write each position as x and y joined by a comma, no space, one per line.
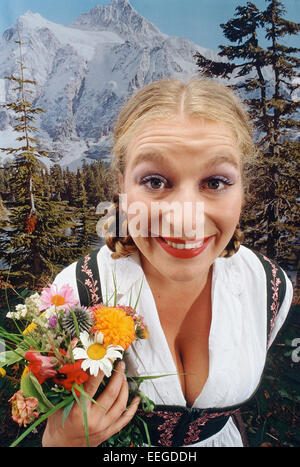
53,321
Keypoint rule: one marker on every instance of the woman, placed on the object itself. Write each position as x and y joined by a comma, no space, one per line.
204,296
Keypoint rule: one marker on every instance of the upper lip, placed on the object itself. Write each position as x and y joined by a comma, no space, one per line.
183,240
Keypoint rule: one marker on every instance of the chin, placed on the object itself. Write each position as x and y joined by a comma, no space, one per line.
182,277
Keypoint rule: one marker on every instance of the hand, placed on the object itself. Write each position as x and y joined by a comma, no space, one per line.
105,418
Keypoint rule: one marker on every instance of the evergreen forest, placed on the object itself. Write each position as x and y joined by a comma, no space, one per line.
48,215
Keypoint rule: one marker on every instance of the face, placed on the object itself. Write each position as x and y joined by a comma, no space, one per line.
178,163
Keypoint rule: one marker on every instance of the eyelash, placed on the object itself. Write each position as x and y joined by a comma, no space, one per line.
150,178
221,179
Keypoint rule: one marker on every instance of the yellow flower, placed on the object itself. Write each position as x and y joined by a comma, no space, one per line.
116,326
144,333
25,371
2,372
30,328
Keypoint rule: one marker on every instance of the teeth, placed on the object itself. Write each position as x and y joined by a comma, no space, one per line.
185,246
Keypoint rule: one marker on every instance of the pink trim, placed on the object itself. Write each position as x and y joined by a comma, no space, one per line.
275,287
192,436
171,420
90,283
167,428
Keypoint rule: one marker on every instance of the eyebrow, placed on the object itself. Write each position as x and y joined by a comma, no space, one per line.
149,157
159,158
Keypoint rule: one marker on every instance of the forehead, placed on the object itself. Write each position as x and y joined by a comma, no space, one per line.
181,136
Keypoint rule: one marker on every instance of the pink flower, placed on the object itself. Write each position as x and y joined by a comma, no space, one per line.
23,408
41,366
52,296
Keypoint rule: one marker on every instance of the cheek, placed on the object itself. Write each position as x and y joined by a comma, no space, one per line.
138,215
226,213
233,207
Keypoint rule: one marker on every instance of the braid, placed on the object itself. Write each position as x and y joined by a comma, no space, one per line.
234,244
119,245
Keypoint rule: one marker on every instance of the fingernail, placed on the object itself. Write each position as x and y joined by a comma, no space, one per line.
136,400
122,365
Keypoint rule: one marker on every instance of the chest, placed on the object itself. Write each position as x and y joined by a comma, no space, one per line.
187,335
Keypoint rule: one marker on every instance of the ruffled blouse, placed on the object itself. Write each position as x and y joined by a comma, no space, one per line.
237,340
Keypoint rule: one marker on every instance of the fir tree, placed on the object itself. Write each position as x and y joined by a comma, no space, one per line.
33,242
269,218
58,191
83,234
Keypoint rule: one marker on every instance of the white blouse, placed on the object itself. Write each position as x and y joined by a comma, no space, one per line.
237,339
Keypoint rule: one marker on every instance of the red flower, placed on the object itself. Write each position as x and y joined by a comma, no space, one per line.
40,365
69,374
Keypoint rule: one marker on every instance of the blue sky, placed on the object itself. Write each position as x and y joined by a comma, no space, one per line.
197,20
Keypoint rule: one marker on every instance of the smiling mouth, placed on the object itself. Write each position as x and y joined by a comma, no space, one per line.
182,244
183,249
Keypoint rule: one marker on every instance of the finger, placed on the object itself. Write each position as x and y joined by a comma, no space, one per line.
125,418
93,383
108,397
121,402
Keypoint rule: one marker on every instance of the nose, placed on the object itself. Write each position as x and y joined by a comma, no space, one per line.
185,214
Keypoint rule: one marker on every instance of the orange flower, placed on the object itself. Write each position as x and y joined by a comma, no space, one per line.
23,408
117,328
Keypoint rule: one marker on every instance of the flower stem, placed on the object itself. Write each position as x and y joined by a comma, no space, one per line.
41,419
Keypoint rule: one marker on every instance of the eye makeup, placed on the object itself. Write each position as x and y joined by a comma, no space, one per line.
153,180
156,182
214,182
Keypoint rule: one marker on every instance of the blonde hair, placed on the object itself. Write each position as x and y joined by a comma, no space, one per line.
198,98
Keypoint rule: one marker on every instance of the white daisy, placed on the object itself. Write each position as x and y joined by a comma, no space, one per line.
95,355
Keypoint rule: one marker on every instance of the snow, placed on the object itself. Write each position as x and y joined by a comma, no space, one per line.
84,42
2,91
85,73
8,138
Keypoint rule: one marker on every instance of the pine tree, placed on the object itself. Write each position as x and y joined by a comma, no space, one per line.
33,243
71,187
57,183
83,233
268,77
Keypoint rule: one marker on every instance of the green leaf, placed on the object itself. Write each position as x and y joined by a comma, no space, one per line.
80,389
82,405
139,294
139,379
32,388
66,411
10,357
75,323
146,430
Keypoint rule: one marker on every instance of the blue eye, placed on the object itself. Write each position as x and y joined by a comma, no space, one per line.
154,182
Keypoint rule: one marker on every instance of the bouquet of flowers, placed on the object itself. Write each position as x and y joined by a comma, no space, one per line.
58,346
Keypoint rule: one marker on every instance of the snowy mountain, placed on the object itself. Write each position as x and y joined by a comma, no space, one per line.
85,72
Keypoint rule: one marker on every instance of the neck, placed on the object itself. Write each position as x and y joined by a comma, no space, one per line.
184,290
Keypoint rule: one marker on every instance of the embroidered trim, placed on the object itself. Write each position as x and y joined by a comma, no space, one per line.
275,305
192,435
170,419
90,282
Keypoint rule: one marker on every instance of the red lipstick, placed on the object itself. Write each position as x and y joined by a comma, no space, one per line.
182,253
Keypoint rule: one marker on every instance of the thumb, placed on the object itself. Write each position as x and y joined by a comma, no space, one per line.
93,383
